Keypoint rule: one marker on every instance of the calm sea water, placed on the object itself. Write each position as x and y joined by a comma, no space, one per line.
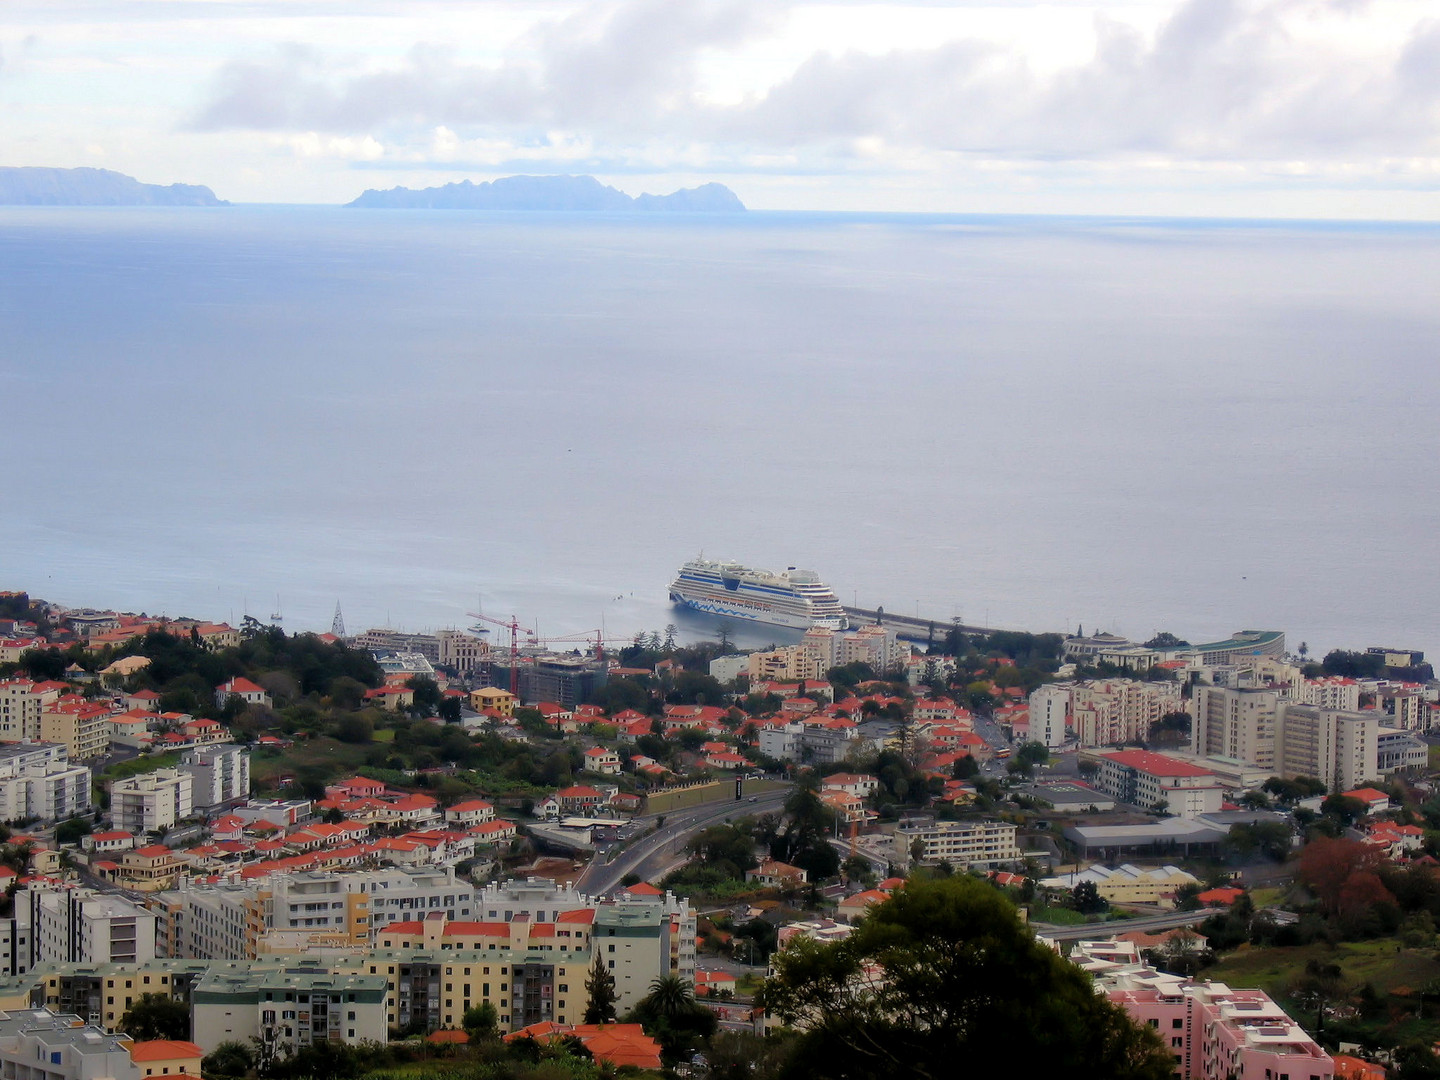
1036,423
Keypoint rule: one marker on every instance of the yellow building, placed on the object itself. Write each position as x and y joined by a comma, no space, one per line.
493,698
83,728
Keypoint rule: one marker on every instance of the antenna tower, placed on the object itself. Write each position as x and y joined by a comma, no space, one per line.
337,624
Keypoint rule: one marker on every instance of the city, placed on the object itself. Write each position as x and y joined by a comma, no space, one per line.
355,822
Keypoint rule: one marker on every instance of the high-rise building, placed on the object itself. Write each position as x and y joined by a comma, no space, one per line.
86,926
151,801
1336,747
1049,713
37,780
1234,723
218,774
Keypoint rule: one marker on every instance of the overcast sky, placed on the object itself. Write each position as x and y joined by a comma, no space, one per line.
1317,108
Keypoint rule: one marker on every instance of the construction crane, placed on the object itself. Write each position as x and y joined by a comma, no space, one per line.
594,637
513,625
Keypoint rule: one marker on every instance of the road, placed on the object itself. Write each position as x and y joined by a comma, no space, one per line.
652,853
1094,931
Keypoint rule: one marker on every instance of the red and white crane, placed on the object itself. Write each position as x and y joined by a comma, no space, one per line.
513,625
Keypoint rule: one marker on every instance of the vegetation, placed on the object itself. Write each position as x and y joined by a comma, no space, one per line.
964,981
156,1016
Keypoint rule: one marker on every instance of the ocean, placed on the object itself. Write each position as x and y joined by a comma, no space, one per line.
1034,423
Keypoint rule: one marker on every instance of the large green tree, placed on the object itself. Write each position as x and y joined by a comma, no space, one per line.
156,1016
600,986
944,973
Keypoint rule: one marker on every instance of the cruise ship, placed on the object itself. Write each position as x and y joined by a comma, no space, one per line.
794,598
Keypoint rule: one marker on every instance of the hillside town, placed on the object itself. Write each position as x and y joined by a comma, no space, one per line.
297,842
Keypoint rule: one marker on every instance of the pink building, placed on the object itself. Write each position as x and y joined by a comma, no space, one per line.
1212,1031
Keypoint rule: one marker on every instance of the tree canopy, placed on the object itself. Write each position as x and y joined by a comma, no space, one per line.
963,981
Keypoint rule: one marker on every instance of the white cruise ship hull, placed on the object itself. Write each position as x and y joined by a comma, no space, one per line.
795,599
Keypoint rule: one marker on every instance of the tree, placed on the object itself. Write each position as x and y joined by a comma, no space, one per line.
964,768
70,832
449,710
228,1059
1345,808
601,988
481,1020
964,981
1087,899
156,1016
673,1018
1165,640
1327,864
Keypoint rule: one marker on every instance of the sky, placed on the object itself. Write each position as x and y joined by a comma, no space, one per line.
1208,108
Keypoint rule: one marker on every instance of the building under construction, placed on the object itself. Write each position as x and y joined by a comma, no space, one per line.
567,679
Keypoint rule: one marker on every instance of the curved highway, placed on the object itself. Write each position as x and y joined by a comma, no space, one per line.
651,853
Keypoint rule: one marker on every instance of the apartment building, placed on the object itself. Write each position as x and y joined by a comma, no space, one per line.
464,653
1212,1031
218,775
1144,779
1338,748
85,926
151,801
1235,723
36,1044
668,919
789,663
37,780
1397,750
1331,692
21,703
83,726
962,844
284,1011
1050,714
1107,712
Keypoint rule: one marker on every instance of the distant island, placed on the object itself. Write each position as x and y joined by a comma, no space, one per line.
551,193
31,186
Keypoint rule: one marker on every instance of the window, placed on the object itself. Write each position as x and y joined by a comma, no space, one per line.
1153,1023
1177,1023
352,1011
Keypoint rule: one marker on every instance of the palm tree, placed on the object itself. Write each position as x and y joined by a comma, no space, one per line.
670,996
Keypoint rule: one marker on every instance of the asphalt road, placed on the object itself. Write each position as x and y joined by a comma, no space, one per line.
1095,931
651,854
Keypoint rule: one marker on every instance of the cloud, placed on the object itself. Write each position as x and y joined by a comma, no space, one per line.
617,66
1220,79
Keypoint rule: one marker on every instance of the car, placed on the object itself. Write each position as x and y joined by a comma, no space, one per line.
754,798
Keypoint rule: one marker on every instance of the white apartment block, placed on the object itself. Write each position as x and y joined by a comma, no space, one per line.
36,1044
1146,780
218,774
1333,692
1338,748
151,801
1050,713
1235,723
85,926
962,844
781,743
286,1011
37,780
874,645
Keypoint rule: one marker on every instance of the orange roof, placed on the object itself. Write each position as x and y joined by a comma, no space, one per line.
446,1035
642,888
164,1050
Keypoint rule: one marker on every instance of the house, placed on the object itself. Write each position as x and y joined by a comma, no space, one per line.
854,907
391,696
205,732
493,699
725,759
617,1044
1222,897
1376,802
851,784
143,700
579,799
600,760
468,813
166,1057
772,873
624,803
103,842
712,983
242,688
492,832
